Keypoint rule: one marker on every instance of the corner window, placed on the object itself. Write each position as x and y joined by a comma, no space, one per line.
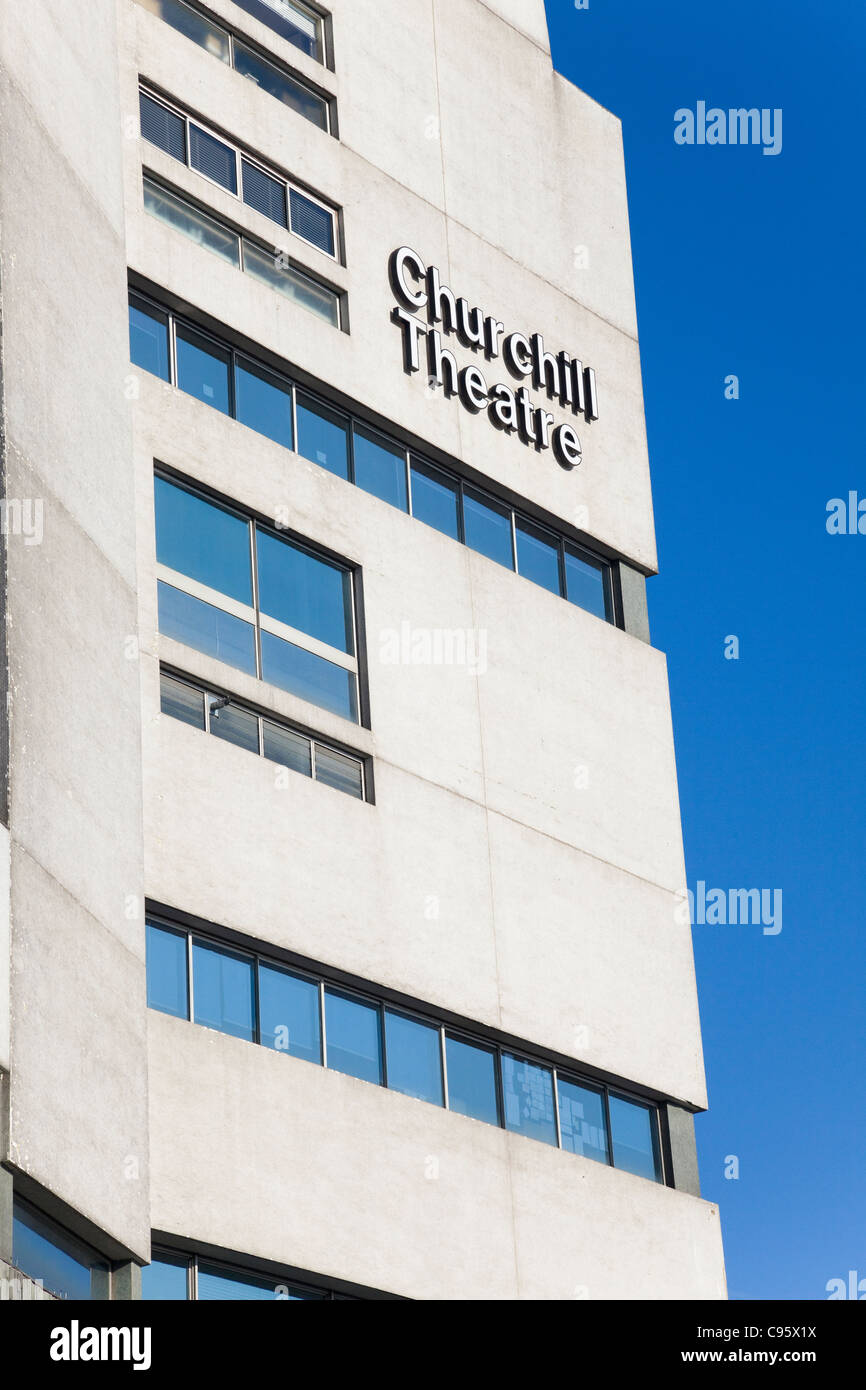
167,979
65,1266
634,1137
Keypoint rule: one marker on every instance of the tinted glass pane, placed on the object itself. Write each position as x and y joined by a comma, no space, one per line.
315,224
339,771
308,676
263,402
215,1283
322,436
380,468
192,25
185,218
487,529
537,556
222,990
148,340
299,589
414,1062
585,584
527,1093
264,193
291,283
202,369
165,1279
288,19
213,158
181,701
162,127
581,1120
633,1138
434,499
235,725
288,748
289,1011
43,1253
353,1039
166,971
207,629
201,540
281,86
471,1080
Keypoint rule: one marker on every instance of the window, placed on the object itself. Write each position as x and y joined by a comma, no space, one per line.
305,603
227,719
230,50
267,266
269,192
294,1009
166,1277
65,1266
202,369
375,462
298,23
172,1276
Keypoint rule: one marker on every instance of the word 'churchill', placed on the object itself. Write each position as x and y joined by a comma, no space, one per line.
563,378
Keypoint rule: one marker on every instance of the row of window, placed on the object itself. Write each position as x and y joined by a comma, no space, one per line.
223,717
252,997
237,54
174,1276
270,193
214,373
247,595
270,268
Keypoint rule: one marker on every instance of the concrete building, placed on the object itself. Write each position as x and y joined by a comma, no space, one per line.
342,951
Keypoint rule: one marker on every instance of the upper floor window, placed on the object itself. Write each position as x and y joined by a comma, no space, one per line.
64,1265
247,595
226,46
268,192
300,24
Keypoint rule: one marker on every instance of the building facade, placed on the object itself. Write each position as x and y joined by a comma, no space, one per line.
342,950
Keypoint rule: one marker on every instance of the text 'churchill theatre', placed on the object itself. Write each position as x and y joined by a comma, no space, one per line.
563,379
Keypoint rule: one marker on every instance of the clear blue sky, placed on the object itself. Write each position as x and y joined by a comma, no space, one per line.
753,265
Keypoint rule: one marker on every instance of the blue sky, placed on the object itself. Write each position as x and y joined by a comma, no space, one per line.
752,265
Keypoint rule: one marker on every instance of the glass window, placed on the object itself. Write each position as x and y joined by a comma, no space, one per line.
537,555
264,193
216,1283
289,1013
527,1093
148,339
263,402
234,725
206,628
292,283
301,26
336,770
585,584
380,468
435,499
487,528
414,1058
304,592
471,1080
185,218
65,1267
223,990
192,25
312,222
181,701
203,541
167,971
353,1034
281,86
162,127
582,1125
322,436
202,369
284,746
308,676
634,1136
165,1278
213,158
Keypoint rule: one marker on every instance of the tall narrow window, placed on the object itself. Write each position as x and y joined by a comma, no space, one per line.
380,467
353,1034
634,1136
167,988
472,1086
223,991
148,339
527,1091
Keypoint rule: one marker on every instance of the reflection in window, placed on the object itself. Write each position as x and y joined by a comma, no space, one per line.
292,20
322,435
353,1036
487,528
192,26
202,540
634,1138
202,369
472,1080
527,1092
234,725
181,701
263,402
192,223
414,1060
309,676
65,1266
581,1120
340,772
289,1013
307,104
284,746
148,340
380,468
586,584
435,499
165,1278
537,555
304,592
167,971
223,990
206,629
292,283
